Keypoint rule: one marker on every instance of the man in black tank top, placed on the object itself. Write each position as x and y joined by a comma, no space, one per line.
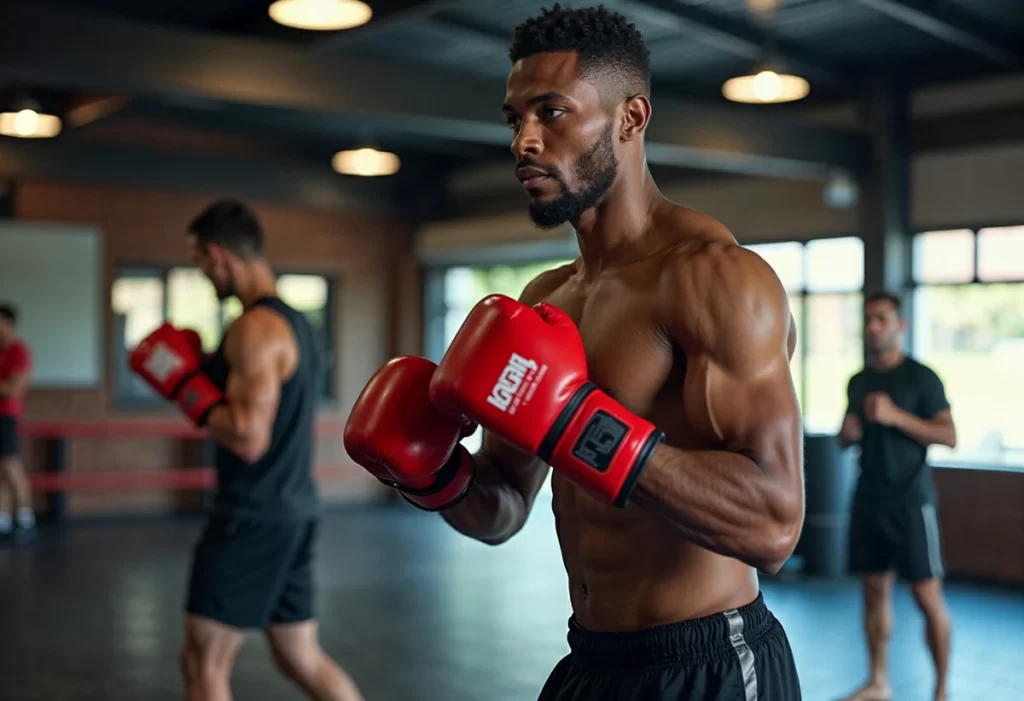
897,408
257,396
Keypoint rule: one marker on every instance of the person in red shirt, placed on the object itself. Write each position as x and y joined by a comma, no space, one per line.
15,365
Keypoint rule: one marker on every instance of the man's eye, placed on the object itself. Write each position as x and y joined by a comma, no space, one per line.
513,123
553,112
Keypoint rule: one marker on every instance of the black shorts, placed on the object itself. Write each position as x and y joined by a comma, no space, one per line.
249,573
738,655
904,538
10,445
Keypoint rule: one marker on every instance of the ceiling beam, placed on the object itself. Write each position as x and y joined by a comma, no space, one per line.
739,39
72,51
947,24
130,166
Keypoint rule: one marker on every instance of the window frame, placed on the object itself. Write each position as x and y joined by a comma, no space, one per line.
804,293
912,287
123,398
435,308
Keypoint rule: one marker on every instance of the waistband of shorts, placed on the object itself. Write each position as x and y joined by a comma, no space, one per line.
686,642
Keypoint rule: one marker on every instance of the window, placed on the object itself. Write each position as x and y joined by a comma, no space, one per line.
142,298
824,279
459,289
969,328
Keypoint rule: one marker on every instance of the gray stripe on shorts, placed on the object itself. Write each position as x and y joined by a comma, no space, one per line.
931,534
744,652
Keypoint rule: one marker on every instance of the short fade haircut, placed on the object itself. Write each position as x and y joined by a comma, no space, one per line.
886,296
7,311
607,43
230,225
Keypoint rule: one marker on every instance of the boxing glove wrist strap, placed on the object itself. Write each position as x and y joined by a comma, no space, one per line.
600,445
197,396
450,485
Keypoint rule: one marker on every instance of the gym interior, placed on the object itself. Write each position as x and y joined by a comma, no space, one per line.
874,145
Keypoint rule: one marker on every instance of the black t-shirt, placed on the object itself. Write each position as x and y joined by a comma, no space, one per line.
893,465
280,484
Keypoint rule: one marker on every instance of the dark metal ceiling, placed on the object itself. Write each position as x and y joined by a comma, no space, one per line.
425,76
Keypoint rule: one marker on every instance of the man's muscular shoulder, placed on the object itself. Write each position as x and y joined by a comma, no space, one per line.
714,291
542,286
263,332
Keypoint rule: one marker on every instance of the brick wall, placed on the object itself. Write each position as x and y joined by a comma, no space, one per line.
364,255
982,523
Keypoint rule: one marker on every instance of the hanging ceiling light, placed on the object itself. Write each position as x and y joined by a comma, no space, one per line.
320,15
365,162
28,123
766,87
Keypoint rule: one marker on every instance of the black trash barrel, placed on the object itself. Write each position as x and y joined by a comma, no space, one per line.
830,475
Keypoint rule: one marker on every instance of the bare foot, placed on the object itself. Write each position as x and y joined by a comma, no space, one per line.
874,691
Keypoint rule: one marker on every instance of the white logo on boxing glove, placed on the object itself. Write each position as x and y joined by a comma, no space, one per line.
162,363
510,381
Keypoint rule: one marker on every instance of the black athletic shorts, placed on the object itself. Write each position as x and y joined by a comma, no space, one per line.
738,655
249,573
903,537
10,446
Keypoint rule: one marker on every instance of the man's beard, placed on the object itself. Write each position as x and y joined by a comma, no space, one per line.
595,170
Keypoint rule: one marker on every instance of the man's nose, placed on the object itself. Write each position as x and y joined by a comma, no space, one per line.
528,141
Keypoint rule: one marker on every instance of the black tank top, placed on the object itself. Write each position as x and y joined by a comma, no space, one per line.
280,484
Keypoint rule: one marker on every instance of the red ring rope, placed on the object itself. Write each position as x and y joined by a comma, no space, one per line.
185,478
139,428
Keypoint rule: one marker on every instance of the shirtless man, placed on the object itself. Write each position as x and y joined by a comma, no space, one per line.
652,374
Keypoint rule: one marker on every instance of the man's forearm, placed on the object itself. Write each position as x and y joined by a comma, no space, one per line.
239,434
927,432
492,511
723,502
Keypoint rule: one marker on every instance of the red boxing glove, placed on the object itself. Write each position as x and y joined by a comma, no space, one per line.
169,361
399,436
522,373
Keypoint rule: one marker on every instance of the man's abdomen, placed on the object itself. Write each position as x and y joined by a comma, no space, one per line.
628,571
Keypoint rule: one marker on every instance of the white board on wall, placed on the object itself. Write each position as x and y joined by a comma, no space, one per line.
53,275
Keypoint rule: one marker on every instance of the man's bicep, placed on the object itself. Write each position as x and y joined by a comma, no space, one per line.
933,398
756,416
854,398
253,384
739,389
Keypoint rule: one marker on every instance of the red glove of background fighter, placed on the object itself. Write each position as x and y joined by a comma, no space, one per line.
170,360
521,373
399,436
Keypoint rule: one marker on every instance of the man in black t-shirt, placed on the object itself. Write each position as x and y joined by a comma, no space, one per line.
897,408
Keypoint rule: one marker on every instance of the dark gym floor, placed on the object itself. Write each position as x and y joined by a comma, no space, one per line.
415,611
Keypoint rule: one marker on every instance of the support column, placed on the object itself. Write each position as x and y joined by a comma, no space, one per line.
886,194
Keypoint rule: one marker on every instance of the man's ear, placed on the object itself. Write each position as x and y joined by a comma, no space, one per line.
636,114
217,254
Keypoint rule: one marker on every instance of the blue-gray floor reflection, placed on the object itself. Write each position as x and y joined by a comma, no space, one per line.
415,611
